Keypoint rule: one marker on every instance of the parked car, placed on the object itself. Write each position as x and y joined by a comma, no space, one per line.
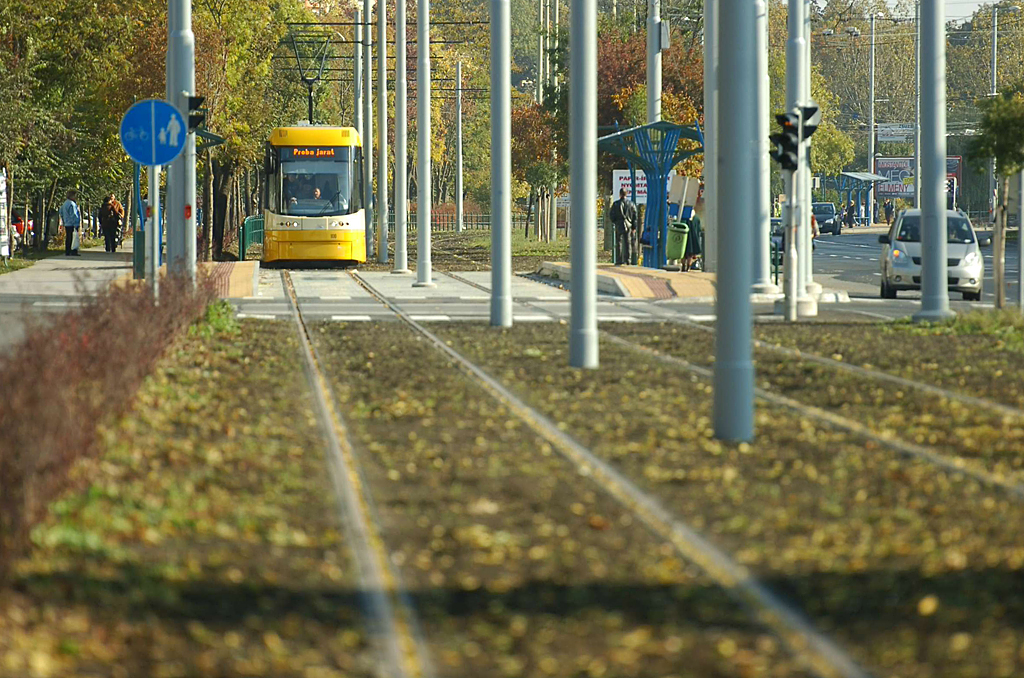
828,218
901,255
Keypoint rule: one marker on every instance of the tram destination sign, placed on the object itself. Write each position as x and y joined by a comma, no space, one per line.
313,153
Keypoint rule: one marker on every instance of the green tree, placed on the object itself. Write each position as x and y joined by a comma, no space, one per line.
1001,136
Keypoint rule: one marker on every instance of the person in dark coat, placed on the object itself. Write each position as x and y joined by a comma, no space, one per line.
623,217
111,219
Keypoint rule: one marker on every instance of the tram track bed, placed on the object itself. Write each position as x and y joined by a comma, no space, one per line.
916,570
203,540
968,435
978,354
515,563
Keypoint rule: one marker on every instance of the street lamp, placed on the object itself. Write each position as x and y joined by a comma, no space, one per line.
1012,9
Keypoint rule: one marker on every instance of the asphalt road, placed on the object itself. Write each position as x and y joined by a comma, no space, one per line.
849,262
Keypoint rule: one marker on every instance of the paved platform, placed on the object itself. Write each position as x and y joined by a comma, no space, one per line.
637,282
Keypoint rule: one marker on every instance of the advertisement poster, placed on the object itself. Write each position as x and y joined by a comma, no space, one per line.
899,176
620,179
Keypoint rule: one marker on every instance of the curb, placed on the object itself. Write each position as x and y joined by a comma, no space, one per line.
606,284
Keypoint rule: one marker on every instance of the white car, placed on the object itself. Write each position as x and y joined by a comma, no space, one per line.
901,255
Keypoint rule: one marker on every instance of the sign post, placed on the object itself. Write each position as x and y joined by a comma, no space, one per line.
153,134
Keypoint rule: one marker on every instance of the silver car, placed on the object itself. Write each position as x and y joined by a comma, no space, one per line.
901,255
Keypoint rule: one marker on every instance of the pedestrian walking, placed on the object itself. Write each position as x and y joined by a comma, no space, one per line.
693,251
72,218
890,210
851,214
111,218
623,217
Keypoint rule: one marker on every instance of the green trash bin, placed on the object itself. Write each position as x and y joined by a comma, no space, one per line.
138,254
678,232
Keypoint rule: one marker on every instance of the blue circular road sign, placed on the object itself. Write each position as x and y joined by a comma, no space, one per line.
153,132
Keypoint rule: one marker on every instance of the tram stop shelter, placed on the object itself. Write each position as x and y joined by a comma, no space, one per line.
854,186
653,148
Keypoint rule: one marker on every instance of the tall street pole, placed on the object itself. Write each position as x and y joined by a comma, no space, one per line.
710,224
934,290
424,182
382,133
501,163
458,148
737,167
871,127
762,271
583,348
153,231
540,51
812,288
993,90
357,78
401,143
1020,242
795,96
368,123
653,61
917,104
181,174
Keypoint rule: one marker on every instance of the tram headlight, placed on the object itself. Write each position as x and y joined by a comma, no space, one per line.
335,224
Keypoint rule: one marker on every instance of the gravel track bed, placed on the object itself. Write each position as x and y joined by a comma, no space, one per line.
918,572
981,438
203,541
517,565
978,365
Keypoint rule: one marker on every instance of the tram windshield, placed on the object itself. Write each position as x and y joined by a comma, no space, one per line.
318,187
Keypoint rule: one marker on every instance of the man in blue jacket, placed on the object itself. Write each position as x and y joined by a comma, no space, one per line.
72,218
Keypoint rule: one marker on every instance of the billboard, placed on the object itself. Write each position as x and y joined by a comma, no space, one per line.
895,131
620,179
899,176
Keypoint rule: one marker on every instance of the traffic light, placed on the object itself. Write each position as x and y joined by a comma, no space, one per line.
787,142
196,115
810,119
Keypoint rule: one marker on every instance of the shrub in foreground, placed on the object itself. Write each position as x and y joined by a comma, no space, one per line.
67,375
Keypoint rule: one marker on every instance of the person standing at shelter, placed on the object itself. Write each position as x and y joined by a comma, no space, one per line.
72,218
851,215
623,217
889,210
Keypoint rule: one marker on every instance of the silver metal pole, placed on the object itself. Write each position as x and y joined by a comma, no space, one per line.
368,124
181,185
1020,242
934,290
424,182
501,163
153,234
795,96
791,277
540,51
357,77
762,271
382,133
737,167
458,149
653,61
871,127
917,104
547,43
554,80
583,347
401,144
993,90
710,223
811,288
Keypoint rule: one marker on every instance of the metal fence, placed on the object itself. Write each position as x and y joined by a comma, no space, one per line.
444,222
251,233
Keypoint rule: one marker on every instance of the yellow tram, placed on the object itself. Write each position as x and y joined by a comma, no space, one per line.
314,195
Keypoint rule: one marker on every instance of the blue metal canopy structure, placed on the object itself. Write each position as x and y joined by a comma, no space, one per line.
654,148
